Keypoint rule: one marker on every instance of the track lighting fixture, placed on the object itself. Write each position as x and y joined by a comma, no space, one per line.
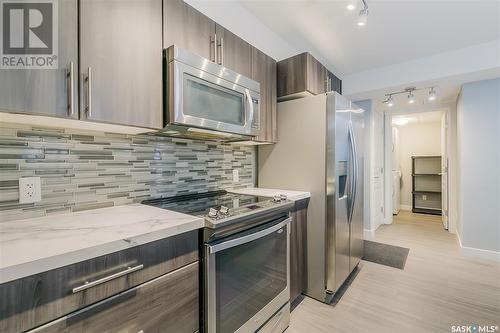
432,94
410,92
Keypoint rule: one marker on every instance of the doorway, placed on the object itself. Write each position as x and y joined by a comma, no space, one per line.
417,165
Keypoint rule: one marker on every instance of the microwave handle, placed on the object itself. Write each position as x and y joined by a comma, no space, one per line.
250,105
248,238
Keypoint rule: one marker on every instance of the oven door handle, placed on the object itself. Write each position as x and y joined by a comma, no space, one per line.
248,238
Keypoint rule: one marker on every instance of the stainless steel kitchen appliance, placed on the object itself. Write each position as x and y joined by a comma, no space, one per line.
245,257
321,145
208,101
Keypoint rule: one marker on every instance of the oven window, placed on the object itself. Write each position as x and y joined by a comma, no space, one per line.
248,277
203,99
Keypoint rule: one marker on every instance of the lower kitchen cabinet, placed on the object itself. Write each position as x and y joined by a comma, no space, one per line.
169,303
298,242
73,292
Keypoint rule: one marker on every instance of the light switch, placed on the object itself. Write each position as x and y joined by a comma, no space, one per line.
236,176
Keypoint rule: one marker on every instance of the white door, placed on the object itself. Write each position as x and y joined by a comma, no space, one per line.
444,169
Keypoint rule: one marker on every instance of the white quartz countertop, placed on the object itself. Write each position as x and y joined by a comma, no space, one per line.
270,192
39,244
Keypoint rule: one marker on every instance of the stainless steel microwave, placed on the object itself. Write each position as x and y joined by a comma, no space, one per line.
208,101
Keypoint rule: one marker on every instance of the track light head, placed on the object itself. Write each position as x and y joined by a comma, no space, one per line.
432,94
411,98
390,101
363,17
351,5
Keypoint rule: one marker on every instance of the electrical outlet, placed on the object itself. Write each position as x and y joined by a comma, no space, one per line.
236,176
424,197
30,189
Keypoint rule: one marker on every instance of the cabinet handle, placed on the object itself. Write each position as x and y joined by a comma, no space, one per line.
213,45
71,97
88,79
221,51
88,285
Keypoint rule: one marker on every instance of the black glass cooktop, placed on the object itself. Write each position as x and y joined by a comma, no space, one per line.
199,204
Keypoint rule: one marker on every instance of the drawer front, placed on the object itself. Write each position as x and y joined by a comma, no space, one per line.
40,298
169,303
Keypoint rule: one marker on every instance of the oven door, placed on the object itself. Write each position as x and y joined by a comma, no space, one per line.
201,99
247,278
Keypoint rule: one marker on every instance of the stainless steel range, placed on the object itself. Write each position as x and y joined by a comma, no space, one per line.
245,257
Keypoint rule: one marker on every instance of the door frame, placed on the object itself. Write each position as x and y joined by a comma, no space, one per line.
449,119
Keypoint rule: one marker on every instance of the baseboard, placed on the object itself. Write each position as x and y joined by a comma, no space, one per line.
473,252
405,207
369,234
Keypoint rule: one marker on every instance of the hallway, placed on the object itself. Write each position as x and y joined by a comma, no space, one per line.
437,289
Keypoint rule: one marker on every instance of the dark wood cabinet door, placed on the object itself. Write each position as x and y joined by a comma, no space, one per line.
187,28
316,76
298,242
292,75
121,62
52,91
334,83
233,52
169,303
264,72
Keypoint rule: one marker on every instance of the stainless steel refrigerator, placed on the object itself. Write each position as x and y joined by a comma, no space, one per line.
320,150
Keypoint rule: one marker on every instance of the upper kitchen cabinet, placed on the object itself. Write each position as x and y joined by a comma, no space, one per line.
303,75
264,71
333,83
121,62
38,70
233,52
189,29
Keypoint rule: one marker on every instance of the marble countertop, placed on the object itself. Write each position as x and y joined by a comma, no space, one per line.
269,192
39,244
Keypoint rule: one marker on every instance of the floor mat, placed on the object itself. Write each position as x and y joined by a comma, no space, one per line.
385,254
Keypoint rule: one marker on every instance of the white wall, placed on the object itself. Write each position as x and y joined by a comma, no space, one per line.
478,125
416,139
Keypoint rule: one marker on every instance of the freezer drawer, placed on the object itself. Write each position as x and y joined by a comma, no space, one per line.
169,303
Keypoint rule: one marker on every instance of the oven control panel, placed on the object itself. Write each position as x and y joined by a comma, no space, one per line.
224,213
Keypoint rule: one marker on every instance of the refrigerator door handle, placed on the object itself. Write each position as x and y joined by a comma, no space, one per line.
352,175
355,175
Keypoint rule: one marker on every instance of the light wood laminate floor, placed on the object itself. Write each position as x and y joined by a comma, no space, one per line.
438,287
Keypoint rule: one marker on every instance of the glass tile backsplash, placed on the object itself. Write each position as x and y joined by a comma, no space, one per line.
82,170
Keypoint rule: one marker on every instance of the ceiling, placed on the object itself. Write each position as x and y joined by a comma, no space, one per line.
397,30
